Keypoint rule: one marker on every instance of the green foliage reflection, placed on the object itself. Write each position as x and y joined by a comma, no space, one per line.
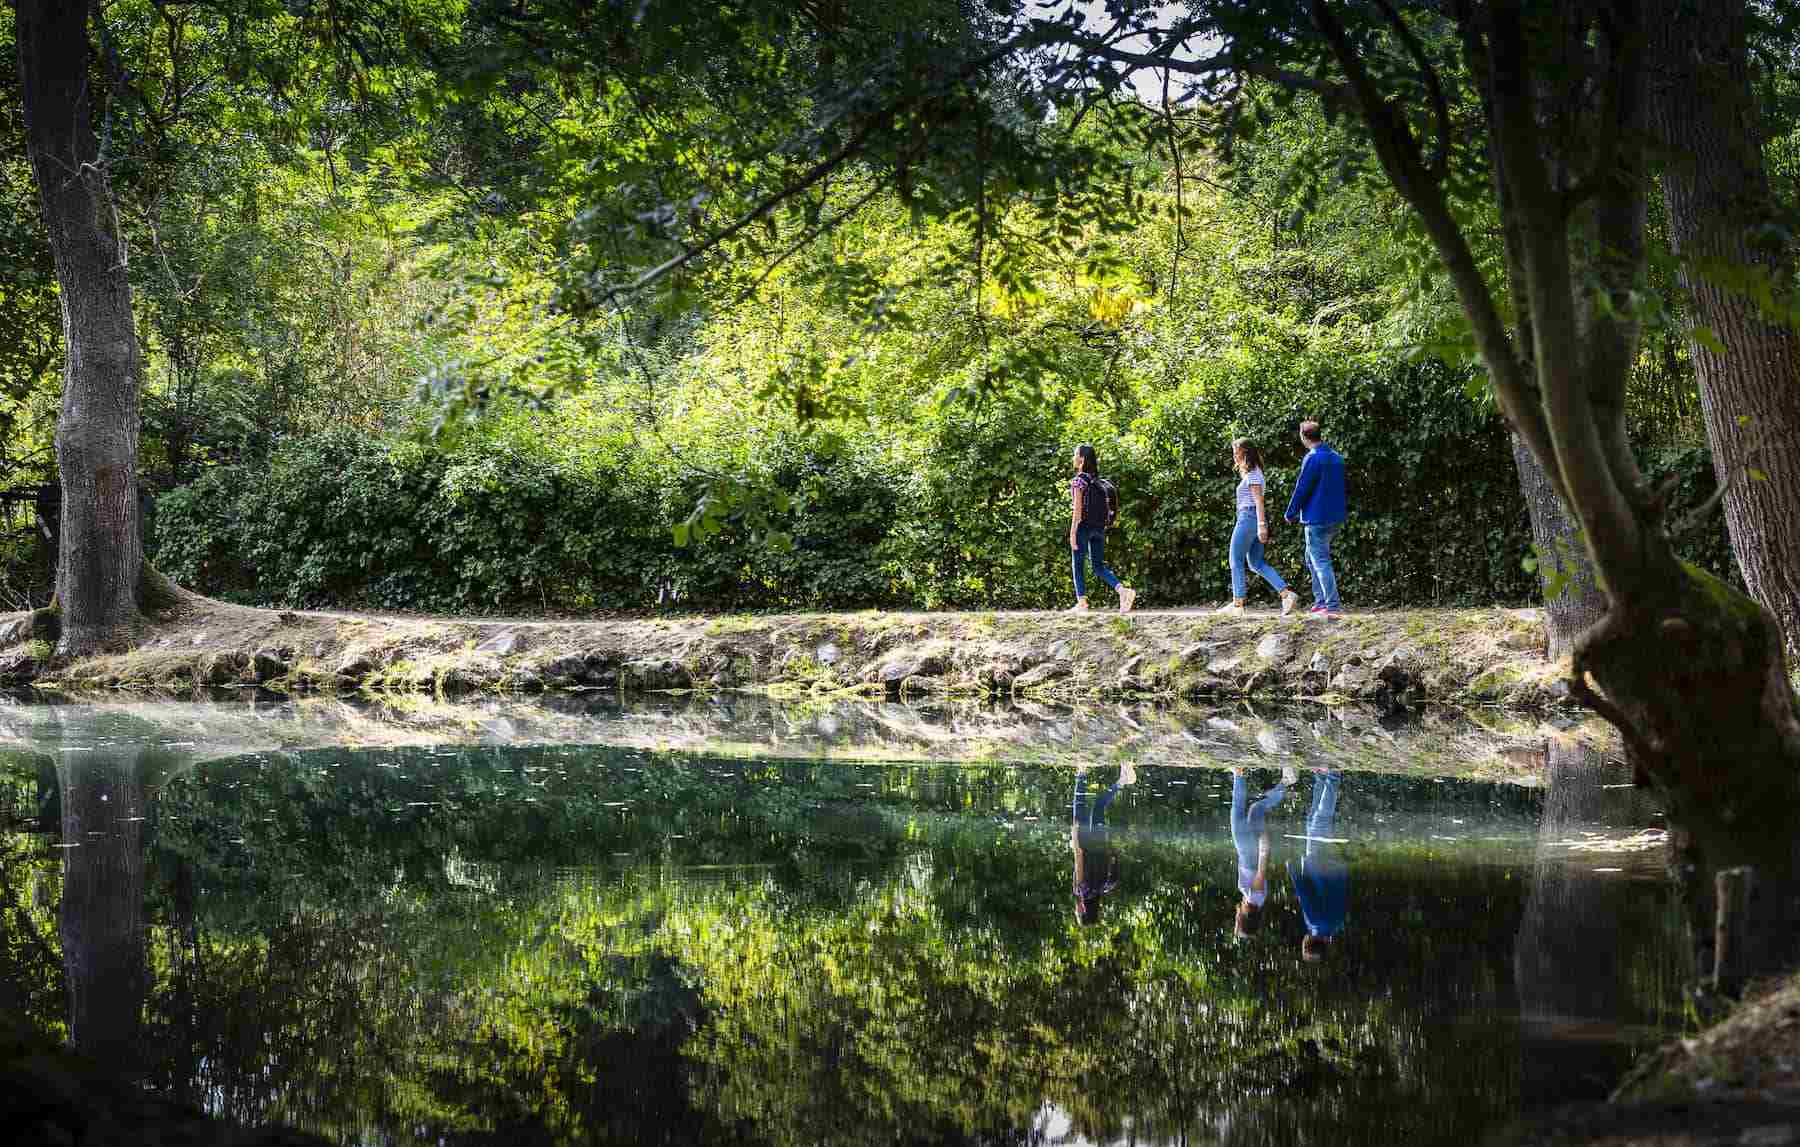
559,945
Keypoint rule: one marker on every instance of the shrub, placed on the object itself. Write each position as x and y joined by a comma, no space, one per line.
968,510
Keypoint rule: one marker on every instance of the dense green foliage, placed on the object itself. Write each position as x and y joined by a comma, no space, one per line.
974,516
581,945
981,522
392,360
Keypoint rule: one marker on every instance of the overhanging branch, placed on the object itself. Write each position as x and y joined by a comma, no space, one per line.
1440,107
1398,152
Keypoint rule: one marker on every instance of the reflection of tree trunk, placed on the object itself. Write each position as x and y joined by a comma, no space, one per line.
1572,601
104,803
1566,960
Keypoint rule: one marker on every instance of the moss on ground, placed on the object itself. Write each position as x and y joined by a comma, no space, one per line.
1489,655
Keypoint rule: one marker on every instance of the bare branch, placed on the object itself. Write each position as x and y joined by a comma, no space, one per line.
1399,155
813,175
823,227
1211,66
1180,209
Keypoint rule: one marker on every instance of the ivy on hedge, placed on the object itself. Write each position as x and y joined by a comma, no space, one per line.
970,512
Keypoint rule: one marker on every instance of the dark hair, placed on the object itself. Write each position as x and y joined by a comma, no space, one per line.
1309,431
1252,456
1249,918
1090,461
1087,910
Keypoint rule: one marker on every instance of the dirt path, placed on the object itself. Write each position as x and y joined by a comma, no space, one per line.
1391,657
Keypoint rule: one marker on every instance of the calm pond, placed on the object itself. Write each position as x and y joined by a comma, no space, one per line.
776,942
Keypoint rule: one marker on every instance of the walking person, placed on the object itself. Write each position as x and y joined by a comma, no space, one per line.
1096,860
1090,512
1321,880
1318,503
1251,533
1250,836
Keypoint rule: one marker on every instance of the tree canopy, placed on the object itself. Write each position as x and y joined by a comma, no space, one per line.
753,239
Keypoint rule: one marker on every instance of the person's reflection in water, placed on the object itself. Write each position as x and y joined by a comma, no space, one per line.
1096,861
1250,833
1321,880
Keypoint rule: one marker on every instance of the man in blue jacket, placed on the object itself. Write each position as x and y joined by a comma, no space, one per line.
1318,502
1321,880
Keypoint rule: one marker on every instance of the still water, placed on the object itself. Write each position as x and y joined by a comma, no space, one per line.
524,944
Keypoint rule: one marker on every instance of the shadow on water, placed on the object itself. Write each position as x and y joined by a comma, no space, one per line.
560,943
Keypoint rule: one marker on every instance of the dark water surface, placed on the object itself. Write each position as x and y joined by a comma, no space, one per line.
559,944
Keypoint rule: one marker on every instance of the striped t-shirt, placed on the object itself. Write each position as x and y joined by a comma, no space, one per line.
1245,499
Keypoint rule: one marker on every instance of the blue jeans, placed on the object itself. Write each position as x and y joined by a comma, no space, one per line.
1322,882
1090,541
1247,550
1318,563
1324,807
1247,821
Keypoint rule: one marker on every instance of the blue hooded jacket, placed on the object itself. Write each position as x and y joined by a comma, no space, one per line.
1319,492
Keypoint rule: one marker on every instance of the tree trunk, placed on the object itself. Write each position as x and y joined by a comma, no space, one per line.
1572,601
104,806
1689,671
1702,109
1694,676
101,552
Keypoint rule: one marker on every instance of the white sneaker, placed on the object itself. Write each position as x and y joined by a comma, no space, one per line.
1127,598
1289,599
1078,607
1231,607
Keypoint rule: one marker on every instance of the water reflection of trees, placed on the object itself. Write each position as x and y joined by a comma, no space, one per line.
447,947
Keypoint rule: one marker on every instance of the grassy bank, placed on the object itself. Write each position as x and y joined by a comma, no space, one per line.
1490,656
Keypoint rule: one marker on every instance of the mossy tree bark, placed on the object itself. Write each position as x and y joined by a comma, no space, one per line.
1572,600
1704,113
1691,672
100,546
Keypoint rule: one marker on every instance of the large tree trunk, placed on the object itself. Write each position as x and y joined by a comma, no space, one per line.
1690,671
1572,601
101,552
104,806
1717,191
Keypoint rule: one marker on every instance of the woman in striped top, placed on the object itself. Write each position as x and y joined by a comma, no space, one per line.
1252,531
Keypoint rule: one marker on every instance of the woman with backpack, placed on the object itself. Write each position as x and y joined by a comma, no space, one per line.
1252,531
1091,510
